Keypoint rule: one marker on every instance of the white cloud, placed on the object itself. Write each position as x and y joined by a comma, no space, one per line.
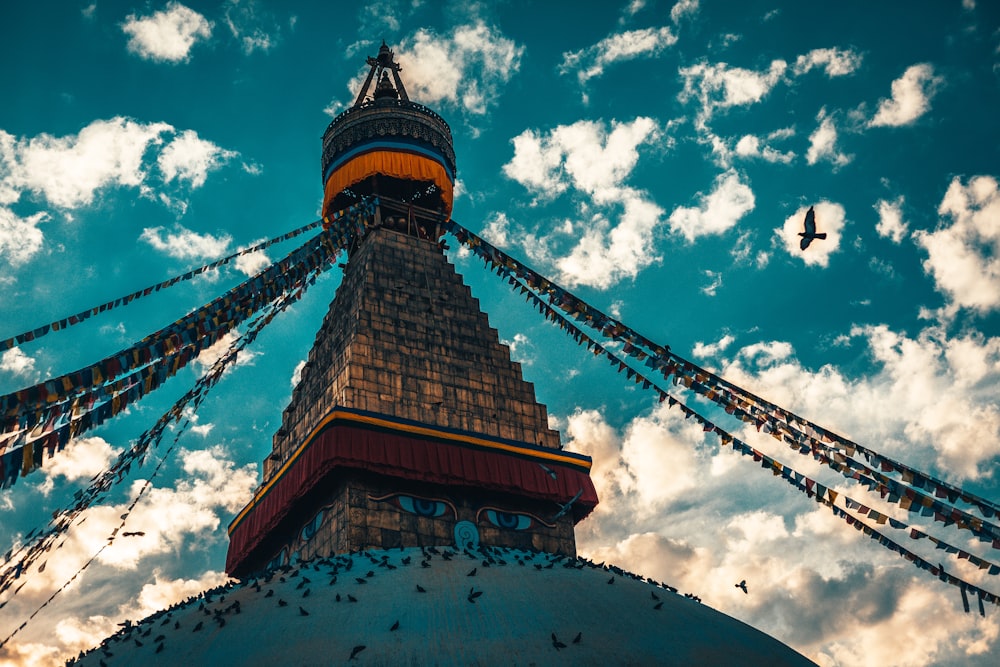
702,518
890,220
82,459
219,349
964,251
911,97
188,157
633,8
252,263
823,143
496,230
68,171
751,146
246,21
167,35
719,86
708,350
522,350
466,69
20,238
210,488
184,244
585,158
297,373
606,254
18,364
836,62
718,211
682,9
591,61
830,218
715,282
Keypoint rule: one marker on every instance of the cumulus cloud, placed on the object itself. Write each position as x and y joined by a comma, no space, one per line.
82,459
718,86
751,146
522,350
18,364
702,518
606,253
252,263
70,172
585,158
466,69
708,350
830,218
963,253
834,61
207,358
183,243
496,230
717,211
189,158
890,223
210,488
823,143
20,238
630,45
167,35
911,97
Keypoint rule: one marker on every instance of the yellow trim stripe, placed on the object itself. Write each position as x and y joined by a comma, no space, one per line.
554,456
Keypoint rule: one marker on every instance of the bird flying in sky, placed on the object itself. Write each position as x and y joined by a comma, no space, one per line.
810,230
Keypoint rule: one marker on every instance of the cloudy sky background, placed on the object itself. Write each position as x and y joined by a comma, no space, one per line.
656,158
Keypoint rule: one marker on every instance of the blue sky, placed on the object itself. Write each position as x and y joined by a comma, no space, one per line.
656,158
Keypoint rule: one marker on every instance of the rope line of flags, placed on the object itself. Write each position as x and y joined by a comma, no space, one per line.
45,417
813,489
537,288
180,412
746,406
65,322
324,249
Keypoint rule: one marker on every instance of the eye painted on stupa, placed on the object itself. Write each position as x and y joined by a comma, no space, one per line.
510,520
430,508
310,529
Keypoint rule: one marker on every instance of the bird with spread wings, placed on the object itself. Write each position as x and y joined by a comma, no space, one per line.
810,230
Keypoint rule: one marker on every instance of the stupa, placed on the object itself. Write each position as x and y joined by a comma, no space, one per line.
416,507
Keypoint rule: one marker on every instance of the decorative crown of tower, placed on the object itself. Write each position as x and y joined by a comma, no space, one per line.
388,146
410,425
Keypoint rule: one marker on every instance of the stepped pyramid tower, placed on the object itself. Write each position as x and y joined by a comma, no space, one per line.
410,425
416,508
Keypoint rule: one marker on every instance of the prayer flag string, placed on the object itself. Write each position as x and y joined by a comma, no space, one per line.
187,404
47,416
811,488
338,233
65,322
746,406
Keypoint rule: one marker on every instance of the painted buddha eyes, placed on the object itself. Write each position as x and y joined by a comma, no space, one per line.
432,508
508,520
422,506
426,507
